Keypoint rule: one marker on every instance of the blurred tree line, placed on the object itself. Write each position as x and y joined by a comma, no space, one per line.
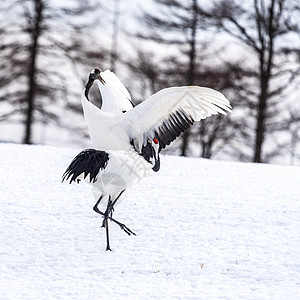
248,51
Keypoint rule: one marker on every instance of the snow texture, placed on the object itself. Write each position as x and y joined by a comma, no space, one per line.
205,230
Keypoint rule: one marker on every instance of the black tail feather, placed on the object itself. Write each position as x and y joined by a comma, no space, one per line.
89,162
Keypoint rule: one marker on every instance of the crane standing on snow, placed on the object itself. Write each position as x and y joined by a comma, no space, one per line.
129,139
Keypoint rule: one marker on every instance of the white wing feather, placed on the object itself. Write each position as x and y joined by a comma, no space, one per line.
169,107
116,97
112,79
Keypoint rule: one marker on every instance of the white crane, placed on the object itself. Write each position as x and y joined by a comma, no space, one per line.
128,139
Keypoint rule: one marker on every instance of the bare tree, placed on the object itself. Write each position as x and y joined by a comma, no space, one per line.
264,27
178,26
213,134
35,23
114,43
35,49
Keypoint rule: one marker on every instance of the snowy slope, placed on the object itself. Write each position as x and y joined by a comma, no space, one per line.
205,230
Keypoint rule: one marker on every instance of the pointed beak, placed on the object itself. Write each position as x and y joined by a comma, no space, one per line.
93,76
98,76
156,165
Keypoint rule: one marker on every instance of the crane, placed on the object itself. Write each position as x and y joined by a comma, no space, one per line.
127,140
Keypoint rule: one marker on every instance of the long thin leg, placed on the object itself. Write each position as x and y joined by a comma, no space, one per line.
107,237
110,207
96,209
122,226
108,211
105,222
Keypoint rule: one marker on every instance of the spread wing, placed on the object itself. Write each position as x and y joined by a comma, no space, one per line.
169,112
111,79
115,97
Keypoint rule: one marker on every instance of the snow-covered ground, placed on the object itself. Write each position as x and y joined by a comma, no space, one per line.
205,230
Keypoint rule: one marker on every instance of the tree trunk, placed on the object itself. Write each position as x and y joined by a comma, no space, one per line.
266,64
114,43
260,125
191,70
35,32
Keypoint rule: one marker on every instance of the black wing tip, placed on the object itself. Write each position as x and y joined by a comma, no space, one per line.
173,127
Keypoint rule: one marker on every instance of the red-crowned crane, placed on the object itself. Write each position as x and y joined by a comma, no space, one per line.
128,140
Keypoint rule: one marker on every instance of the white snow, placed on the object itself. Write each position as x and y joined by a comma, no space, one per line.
205,230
